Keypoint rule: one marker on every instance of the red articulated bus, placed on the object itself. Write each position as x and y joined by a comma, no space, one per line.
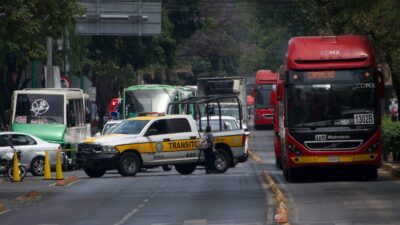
264,98
329,107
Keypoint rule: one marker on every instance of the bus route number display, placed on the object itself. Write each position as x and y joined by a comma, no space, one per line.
363,119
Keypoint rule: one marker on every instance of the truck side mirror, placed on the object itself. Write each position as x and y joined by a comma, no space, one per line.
151,132
252,92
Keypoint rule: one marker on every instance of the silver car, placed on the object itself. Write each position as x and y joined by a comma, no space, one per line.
32,150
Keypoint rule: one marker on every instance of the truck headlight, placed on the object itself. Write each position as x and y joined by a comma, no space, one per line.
109,149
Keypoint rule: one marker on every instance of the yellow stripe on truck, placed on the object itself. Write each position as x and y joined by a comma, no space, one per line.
333,159
181,145
232,141
140,147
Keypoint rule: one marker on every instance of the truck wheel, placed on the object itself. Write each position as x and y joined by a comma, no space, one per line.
186,168
221,162
129,164
167,167
37,166
95,173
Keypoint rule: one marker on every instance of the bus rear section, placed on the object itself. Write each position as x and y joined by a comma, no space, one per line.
331,100
264,98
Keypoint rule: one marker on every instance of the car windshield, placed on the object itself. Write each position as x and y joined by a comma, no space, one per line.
262,95
226,110
39,109
108,127
129,127
148,100
331,98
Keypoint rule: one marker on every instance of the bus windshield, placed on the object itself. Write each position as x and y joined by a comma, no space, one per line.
39,109
129,127
147,100
331,98
262,95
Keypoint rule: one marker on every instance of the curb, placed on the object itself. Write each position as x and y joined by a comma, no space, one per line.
67,180
281,210
394,170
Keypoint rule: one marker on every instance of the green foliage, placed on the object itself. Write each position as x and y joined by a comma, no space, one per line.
391,135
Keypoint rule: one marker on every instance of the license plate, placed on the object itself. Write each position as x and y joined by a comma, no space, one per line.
363,119
333,159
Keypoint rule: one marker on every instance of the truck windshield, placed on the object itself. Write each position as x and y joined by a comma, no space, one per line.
262,95
148,100
129,127
39,109
331,98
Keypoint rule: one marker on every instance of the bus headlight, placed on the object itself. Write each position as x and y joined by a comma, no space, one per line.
293,149
373,147
109,149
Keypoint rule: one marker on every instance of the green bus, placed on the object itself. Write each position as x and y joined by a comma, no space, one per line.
152,98
57,115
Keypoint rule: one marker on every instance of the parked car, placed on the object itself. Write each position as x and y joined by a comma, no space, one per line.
32,150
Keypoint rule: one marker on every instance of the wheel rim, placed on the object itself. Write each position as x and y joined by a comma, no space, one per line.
130,165
220,162
38,166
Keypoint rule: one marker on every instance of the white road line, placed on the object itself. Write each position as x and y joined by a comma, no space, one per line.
146,200
195,222
126,217
5,211
140,206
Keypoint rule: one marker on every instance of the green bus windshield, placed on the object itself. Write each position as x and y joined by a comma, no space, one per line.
39,109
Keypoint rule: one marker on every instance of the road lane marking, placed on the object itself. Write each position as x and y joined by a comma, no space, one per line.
195,222
126,217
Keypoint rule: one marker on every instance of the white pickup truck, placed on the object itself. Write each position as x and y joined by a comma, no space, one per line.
147,141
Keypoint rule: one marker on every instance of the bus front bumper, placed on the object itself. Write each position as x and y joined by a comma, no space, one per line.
359,159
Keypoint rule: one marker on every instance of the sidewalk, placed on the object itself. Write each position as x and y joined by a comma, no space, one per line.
392,167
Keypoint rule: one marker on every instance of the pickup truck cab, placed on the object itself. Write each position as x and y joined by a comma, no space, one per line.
155,141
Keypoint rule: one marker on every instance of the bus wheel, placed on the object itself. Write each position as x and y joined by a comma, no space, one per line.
186,168
167,167
278,163
95,173
129,164
371,173
221,161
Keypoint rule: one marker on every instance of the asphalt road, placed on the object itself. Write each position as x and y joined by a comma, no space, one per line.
152,197
333,198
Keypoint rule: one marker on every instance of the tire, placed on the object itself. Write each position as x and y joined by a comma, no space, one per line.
221,161
129,164
371,173
167,167
186,168
22,172
278,163
94,173
37,166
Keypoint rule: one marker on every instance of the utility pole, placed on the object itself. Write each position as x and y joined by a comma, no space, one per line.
49,65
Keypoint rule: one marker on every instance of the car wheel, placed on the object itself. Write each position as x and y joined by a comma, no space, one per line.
186,168
129,164
221,161
167,167
37,166
95,173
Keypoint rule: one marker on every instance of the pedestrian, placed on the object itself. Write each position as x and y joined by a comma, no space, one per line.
209,152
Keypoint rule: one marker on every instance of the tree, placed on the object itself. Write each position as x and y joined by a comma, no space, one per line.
24,24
